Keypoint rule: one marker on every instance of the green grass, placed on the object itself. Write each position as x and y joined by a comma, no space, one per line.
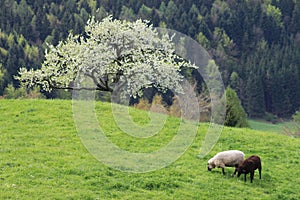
42,157
265,126
285,127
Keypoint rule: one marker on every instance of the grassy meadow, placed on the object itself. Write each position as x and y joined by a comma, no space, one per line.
42,157
284,127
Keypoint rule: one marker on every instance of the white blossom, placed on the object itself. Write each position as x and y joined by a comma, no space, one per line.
109,52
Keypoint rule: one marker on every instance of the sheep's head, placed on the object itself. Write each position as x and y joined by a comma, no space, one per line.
240,171
210,165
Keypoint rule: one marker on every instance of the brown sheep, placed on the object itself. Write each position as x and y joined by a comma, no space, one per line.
249,166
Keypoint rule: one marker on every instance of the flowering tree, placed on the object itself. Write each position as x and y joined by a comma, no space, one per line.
108,53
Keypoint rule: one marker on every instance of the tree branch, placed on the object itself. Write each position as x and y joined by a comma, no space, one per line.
83,88
101,84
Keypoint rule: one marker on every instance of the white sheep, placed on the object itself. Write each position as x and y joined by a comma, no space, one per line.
230,158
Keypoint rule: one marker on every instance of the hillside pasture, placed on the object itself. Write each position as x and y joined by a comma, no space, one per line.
42,157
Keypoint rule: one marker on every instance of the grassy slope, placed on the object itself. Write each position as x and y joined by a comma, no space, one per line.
42,158
285,127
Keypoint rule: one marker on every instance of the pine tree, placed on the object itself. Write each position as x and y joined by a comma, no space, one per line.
235,113
295,26
255,104
2,79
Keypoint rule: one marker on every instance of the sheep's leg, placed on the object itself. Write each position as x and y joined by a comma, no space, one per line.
223,170
251,176
234,173
245,177
259,170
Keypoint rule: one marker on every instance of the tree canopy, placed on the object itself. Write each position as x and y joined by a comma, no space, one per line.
110,52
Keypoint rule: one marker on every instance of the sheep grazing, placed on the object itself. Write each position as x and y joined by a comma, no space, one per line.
249,166
230,158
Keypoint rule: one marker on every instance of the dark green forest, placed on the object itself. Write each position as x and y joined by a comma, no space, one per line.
256,43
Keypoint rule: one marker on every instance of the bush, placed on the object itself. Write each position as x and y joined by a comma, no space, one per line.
175,109
235,113
158,105
11,93
143,104
21,93
296,117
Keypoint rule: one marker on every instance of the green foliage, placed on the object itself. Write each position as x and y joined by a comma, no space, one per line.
144,12
295,23
127,14
235,113
22,93
11,93
234,81
42,153
2,78
252,38
275,13
255,97
203,41
296,116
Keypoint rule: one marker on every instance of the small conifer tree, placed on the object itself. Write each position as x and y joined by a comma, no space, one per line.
235,113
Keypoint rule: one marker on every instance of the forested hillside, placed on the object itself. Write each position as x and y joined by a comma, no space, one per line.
256,43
